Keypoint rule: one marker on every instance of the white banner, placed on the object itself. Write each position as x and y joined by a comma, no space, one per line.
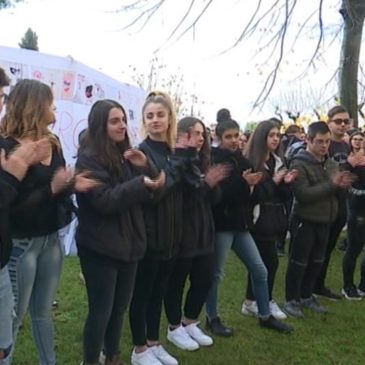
75,87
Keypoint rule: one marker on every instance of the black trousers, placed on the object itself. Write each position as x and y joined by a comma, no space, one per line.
335,231
146,304
306,257
269,256
355,244
109,288
200,270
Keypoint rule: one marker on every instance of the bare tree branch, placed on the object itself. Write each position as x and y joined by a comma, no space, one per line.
270,81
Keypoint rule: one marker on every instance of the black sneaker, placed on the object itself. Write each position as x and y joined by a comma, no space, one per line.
273,324
351,293
293,308
312,304
327,294
216,326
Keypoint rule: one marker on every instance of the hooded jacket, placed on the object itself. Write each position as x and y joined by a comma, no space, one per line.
316,197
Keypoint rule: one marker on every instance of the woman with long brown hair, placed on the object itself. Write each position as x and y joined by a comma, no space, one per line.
40,209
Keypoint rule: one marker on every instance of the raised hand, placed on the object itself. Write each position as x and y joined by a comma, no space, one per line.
135,157
252,178
279,176
290,176
343,179
83,183
157,183
216,174
182,140
62,179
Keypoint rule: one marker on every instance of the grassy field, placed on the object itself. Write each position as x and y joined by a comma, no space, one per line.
335,338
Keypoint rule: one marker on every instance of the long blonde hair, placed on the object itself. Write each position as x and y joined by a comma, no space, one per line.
28,112
160,97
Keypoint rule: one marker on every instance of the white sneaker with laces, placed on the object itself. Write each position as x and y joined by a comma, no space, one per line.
276,311
145,358
249,308
196,333
163,355
180,338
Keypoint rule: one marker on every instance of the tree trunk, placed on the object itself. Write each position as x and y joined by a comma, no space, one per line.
353,12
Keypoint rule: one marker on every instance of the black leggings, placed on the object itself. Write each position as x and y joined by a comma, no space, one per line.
146,305
355,244
109,288
269,256
200,271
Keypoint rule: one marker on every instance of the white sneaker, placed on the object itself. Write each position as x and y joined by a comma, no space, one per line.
145,358
196,333
249,308
180,338
276,311
361,293
163,355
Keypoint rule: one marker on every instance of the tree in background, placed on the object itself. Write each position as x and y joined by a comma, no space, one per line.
159,78
275,23
29,41
8,3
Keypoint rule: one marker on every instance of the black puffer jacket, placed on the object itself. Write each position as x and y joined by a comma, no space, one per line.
198,223
164,215
111,221
233,210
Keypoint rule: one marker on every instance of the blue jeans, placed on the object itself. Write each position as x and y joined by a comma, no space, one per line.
35,268
245,248
6,315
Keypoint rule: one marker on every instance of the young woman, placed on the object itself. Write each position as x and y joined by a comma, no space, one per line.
164,231
355,221
270,221
232,229
111,234
195,258
38,212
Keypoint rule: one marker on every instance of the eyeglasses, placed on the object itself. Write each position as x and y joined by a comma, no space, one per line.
339,121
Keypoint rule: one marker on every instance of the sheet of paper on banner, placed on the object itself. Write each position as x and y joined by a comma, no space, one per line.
75,87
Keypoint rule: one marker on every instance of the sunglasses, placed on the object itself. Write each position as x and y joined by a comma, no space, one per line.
339,121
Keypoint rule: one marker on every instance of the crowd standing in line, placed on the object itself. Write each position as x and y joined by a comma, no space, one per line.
170,210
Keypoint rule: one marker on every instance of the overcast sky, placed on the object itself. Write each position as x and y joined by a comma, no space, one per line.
91,32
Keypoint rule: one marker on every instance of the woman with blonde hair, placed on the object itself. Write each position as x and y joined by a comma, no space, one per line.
163,218
40,209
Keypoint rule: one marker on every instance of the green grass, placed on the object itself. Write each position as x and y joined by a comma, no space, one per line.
336,338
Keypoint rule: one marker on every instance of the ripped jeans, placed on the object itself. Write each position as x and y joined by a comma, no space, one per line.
307,254
35,268
6,316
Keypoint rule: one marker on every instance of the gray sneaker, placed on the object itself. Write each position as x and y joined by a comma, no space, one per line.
293,308
312,304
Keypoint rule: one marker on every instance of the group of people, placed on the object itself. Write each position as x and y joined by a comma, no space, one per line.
152,217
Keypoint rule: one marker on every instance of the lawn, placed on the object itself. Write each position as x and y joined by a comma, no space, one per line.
335,338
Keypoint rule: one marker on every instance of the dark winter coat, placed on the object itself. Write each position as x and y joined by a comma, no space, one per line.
232,213
164,215
111,221
316,197
270,219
